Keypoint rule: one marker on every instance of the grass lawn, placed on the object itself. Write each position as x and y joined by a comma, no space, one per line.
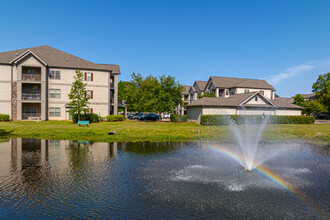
132,131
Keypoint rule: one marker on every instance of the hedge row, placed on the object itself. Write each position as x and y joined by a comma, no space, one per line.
178,118
255,119
4,117
91,117
111,118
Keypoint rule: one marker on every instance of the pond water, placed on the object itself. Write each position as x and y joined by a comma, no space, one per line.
61,179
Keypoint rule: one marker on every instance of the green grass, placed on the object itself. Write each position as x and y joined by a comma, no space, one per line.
133,131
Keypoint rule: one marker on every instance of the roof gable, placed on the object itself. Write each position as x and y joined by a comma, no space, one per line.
24,55
228,82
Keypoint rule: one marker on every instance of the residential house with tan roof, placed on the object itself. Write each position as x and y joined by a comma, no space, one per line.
35,83
197,89
238,96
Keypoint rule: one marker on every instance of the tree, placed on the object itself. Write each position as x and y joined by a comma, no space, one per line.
206,94
169,94
299,100
78,95
322,90
314,107
152,94
124,91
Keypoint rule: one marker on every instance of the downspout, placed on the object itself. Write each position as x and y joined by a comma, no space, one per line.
11,93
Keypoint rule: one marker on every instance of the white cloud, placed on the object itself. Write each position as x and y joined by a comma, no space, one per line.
290,72
318,66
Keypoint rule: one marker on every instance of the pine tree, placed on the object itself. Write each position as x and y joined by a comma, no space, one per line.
78,95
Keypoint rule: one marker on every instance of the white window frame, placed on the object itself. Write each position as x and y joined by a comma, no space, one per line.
54,112
54,94
55,74
89,76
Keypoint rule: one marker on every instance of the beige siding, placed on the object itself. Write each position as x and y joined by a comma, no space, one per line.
267,92
219,111
5,89
99,86
260,101
255,111
288,112
194,113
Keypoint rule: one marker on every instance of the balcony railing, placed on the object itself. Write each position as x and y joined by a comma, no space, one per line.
31,116
31,96
31,77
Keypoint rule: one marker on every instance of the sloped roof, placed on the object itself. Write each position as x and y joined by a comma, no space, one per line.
238,99
308,96
201,85
57,58
228,82
186,90
233,100
285,103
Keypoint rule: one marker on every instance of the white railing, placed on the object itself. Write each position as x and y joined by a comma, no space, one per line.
31,116
31,77
31,96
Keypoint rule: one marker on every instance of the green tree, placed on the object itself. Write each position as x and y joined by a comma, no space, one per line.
152,94
314,107
206,94
322,90
299,100
78,95
169,94
124,91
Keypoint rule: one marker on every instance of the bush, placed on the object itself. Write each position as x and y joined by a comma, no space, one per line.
100,118
178,118
4,117
111,118
240,119
91,117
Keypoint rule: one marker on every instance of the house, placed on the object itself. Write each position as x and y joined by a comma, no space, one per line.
197,89
237,96
309,97
182,109
35,83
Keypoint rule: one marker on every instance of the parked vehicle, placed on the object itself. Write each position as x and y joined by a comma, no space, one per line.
135,115
149,117
167,116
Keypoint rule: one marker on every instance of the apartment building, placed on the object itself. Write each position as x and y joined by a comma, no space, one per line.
237,96
35,83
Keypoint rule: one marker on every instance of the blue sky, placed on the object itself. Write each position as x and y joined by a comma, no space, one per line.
286,42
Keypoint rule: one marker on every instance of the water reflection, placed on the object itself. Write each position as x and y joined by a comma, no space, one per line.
63,179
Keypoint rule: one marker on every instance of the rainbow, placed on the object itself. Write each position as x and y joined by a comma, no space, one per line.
269,174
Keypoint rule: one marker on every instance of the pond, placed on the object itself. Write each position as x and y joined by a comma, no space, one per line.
63,179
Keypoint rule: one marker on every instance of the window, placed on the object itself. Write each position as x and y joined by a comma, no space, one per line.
262,92
54,112
90,94
246,91
55,93
54,74
88,76
227,92
256,98
88,110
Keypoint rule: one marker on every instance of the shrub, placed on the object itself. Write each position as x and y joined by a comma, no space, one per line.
111,118
4,117
100,118
240,119
91,117
178,118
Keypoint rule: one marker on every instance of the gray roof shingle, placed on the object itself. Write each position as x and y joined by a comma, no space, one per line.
237,99
57,58
228,82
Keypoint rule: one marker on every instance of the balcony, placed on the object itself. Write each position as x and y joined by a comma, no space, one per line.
31,73
31,96
31,116
31,77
